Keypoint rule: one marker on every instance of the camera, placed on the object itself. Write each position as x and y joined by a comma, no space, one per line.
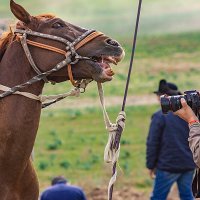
173,103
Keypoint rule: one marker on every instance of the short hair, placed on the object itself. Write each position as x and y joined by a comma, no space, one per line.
58,179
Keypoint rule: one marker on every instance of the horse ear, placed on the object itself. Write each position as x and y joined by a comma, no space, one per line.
19,12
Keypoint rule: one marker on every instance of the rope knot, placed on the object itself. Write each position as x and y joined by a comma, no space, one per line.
75,92
121,119
112,149
111,127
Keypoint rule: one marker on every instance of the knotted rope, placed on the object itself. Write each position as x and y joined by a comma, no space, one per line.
43,98
112,149
50,99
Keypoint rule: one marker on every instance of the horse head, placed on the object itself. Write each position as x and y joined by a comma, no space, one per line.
100,52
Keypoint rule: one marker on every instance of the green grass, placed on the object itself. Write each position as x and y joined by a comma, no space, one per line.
78,138
162,46
118,17
175,57
167,47
70,141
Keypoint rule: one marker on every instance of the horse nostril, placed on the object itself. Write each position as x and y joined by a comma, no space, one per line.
112,42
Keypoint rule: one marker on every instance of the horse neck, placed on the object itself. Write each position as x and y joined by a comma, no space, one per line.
19,114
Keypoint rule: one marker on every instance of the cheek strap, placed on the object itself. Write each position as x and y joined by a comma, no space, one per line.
84,41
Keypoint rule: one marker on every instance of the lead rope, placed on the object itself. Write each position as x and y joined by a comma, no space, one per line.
50,99
112,149
43,98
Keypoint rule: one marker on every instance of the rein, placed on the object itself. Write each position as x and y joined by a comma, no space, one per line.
71,57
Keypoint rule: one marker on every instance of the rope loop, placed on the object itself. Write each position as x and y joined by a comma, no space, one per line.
112,149
111,152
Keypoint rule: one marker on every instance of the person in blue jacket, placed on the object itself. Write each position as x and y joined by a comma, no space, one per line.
60,190
168,156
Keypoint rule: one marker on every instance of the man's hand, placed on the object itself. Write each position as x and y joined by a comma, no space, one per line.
152,173
186,112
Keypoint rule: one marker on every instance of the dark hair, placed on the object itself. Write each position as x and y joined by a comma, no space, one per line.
58,179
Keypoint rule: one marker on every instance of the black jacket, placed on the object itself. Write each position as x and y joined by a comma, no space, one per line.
167,144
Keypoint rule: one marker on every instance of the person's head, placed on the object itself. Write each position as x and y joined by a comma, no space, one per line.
167,88
58,180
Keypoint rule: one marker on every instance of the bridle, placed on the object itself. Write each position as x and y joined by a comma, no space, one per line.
71,57
70,50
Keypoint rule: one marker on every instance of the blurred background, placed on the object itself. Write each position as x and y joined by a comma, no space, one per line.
72,136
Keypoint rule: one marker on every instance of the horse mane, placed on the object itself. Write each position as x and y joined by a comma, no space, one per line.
7,37
45,16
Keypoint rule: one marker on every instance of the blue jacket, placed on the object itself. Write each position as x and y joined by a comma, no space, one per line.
61,191
167,144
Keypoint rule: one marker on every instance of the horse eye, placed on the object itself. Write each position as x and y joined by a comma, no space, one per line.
57,25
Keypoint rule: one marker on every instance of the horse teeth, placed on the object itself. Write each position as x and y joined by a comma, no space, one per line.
112,60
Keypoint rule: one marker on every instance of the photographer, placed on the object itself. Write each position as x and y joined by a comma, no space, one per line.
168,156
188,115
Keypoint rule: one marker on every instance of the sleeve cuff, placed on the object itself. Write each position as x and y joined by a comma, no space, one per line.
196,124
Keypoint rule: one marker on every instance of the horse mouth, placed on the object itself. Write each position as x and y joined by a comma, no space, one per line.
104,63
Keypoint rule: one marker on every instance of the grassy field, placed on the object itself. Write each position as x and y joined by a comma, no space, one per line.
71,142
175,57
117,17
167,46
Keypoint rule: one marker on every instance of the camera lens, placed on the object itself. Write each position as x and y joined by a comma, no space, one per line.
176,103
165,104
173,103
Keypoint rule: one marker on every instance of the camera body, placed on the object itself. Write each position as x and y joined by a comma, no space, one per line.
173,103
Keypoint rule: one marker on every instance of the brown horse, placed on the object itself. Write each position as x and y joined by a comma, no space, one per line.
19,116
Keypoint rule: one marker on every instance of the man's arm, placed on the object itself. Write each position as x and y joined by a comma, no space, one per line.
194,142
188,115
